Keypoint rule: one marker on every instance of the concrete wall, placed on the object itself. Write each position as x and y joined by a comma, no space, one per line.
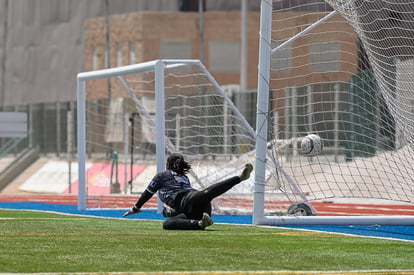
44,44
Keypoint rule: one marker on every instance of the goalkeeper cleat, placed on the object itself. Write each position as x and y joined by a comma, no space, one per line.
131,211
205,221
246,172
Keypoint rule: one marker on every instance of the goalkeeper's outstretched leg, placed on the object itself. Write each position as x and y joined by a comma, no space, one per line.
187,208
195,206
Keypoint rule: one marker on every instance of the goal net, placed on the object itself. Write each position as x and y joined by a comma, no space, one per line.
343,70
131,118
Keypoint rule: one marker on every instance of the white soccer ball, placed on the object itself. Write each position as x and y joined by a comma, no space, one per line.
311,145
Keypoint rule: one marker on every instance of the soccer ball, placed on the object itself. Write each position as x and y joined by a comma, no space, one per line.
311,145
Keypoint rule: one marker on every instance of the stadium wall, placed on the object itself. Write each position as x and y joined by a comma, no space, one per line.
44,45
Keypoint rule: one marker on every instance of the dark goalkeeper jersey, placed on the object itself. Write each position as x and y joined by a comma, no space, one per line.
168,184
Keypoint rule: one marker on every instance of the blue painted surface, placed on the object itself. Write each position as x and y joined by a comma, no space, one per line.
112,213
395,232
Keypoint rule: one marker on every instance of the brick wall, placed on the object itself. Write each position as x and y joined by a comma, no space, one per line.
148,29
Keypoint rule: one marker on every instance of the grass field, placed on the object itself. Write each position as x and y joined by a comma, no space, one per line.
44,242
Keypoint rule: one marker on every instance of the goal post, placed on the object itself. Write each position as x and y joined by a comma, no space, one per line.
345,77
82,119
262,110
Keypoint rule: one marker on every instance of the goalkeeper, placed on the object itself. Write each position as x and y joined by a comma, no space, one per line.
186,208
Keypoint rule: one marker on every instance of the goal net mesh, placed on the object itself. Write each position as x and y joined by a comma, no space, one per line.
350,80
200,121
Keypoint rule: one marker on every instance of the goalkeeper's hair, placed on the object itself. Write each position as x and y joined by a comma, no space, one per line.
178,164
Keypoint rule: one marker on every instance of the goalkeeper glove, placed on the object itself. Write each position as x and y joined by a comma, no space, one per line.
131,211
169,212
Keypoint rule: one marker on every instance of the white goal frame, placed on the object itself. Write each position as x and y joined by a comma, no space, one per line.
158,67
259,218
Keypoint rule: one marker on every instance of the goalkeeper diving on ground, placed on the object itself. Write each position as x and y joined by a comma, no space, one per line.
185,207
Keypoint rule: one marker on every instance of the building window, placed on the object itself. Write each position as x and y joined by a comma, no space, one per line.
118,54
281,59
175,49
224,56
324,56
94,58
132,57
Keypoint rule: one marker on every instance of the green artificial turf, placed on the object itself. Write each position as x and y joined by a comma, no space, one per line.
44,242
